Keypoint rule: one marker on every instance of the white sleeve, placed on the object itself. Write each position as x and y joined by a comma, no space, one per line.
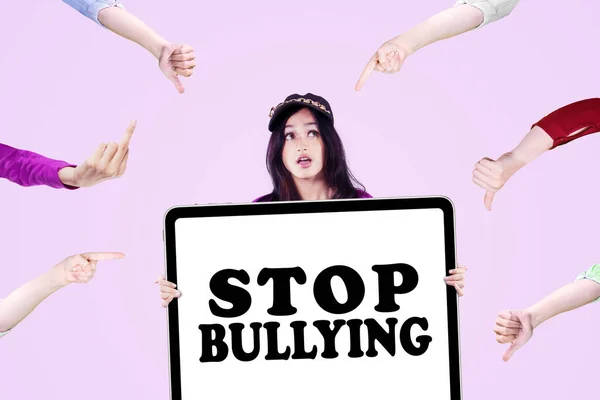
492,10
3,333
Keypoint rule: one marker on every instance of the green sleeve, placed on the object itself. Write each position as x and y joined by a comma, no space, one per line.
592,273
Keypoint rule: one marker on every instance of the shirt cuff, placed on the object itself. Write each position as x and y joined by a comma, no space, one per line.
593,273
492,10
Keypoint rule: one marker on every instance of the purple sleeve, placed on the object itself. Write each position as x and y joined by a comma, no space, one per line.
26,168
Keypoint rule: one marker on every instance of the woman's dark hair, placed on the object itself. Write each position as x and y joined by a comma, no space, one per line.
335,167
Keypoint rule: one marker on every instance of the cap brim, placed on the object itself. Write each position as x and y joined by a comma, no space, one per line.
284,109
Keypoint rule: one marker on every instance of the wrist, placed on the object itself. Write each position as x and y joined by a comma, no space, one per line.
67,176
535,143
535,316
57,277
156,45
406,45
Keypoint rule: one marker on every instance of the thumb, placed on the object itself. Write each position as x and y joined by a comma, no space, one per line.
175,79
511,350
167,68
487,200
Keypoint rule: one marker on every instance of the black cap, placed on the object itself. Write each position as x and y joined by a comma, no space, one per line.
296,101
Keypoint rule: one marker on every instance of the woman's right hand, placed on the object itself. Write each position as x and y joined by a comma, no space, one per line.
167,290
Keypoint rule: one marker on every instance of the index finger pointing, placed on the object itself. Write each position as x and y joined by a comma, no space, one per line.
366,73
97,256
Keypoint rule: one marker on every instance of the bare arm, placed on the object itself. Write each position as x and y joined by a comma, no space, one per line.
558,128
466,15
174,60
516,327
444,25
130,27
574,295
21,302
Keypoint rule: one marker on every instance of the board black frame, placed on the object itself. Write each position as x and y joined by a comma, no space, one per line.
305,207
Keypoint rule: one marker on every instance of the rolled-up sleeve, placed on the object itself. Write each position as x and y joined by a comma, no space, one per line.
91,8
492,10
593,273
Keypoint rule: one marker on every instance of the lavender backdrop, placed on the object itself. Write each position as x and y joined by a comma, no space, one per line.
68,85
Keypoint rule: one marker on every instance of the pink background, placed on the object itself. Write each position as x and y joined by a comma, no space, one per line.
68,85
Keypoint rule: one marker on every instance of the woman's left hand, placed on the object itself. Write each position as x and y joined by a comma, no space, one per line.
457,279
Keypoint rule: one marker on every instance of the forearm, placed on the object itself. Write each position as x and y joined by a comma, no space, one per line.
533,145
21,302
130,27
567,298
27,168
444,25
559,127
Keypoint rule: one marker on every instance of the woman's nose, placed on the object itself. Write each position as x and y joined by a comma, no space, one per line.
301,145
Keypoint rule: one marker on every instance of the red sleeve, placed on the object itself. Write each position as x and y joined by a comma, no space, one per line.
568,119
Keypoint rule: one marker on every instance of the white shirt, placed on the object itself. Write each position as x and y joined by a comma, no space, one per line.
492,10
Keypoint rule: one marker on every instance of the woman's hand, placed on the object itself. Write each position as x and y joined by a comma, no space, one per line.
457,279
167,290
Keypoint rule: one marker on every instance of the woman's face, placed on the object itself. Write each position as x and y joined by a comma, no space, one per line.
303,149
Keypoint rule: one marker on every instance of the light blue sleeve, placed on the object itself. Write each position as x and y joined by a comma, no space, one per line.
593,273
91,8
492,10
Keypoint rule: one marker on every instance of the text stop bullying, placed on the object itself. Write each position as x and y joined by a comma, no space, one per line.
216,347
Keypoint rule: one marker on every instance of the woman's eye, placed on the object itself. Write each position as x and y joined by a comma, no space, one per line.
289,136
313,134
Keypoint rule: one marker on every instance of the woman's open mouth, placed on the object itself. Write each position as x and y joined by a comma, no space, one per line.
304,162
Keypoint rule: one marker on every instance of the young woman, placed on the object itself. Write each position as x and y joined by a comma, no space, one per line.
307,161
20,303
174,60
558,128
465,16
26,168
516,327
